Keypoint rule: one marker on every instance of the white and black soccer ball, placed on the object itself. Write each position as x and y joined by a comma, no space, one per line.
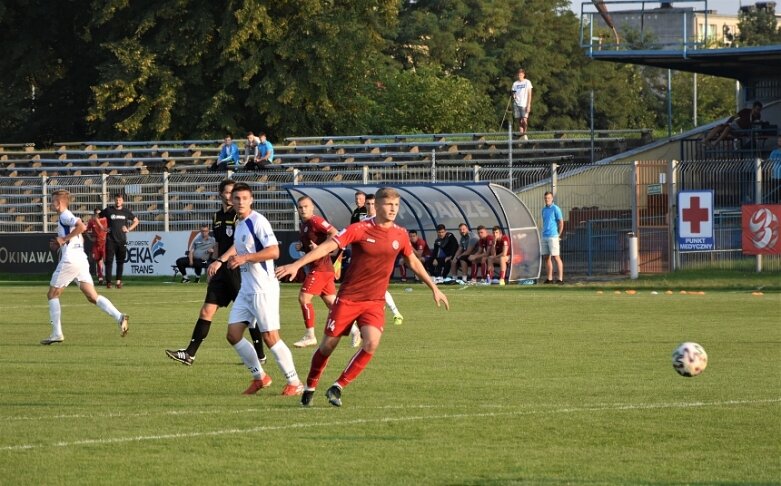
690,359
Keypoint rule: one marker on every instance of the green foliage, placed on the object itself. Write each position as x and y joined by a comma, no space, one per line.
758,26
185,69
715,99
423,101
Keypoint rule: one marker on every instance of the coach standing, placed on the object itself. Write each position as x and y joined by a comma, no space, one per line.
120,222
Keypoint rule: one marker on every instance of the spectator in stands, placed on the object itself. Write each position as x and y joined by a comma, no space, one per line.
420,249
199,255
552,229
97,228
500,255
264,156
480,256
522,102
445,248
741,121
251,148
229,153
121,221
467,245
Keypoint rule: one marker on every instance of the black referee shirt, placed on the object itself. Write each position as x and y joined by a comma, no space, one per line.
223,228
358,214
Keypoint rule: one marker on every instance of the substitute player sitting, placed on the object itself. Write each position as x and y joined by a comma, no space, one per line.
500,255
73,265
314,230
481,254
376,243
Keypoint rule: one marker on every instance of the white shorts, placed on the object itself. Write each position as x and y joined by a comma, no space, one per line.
67,272
550,246
257,309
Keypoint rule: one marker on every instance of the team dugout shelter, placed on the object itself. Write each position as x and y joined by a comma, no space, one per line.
424,206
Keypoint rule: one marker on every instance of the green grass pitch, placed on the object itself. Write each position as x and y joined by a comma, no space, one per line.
515,385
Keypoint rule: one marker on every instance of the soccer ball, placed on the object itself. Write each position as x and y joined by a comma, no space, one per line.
690,359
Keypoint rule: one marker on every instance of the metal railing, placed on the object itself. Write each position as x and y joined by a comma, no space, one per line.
601,203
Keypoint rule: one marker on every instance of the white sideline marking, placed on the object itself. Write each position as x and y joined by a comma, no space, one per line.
189,435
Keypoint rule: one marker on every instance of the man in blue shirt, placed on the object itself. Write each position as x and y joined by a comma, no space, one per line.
229,154
552,228
265,154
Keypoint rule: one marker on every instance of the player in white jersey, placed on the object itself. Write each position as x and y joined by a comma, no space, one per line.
73,265
254,249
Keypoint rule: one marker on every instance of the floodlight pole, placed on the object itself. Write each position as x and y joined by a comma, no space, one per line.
166,212
669,103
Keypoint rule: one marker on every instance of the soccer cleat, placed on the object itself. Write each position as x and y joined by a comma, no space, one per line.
52,340
306,341
334,396
181,356
293,390
502,282
197,280
548,281
306,397
256,385
185,280
123,322
398,319
100,280
355,336
119,284
560,282
108,285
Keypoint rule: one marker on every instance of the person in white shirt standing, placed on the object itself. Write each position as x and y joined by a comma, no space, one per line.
255,247
73,265
522,102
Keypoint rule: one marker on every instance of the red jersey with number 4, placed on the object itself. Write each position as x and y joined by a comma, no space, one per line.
374,255
316,231
502,243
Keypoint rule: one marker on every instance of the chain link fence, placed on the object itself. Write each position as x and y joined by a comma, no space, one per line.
601,203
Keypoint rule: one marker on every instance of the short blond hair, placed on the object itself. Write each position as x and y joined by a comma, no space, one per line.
387,193
61,193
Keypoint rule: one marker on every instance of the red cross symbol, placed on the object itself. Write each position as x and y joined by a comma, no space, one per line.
695,215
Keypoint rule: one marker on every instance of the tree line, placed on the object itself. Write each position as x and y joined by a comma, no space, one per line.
182,69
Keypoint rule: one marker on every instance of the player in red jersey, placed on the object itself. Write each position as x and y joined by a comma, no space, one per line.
97,228
421,250
500,254
313,231
481,254
375,242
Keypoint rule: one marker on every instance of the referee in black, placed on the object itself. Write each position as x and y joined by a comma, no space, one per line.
121,221
223,287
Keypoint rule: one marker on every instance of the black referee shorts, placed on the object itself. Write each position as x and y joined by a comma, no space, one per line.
223,287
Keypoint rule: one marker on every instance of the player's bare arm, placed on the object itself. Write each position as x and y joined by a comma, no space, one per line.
268,253
128,229
290,270
214,267
414,264
78,229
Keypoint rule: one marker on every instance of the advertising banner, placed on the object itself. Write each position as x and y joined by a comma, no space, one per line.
760,224
27,253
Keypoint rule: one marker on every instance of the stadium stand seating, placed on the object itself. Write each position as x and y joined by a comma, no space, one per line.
153,156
